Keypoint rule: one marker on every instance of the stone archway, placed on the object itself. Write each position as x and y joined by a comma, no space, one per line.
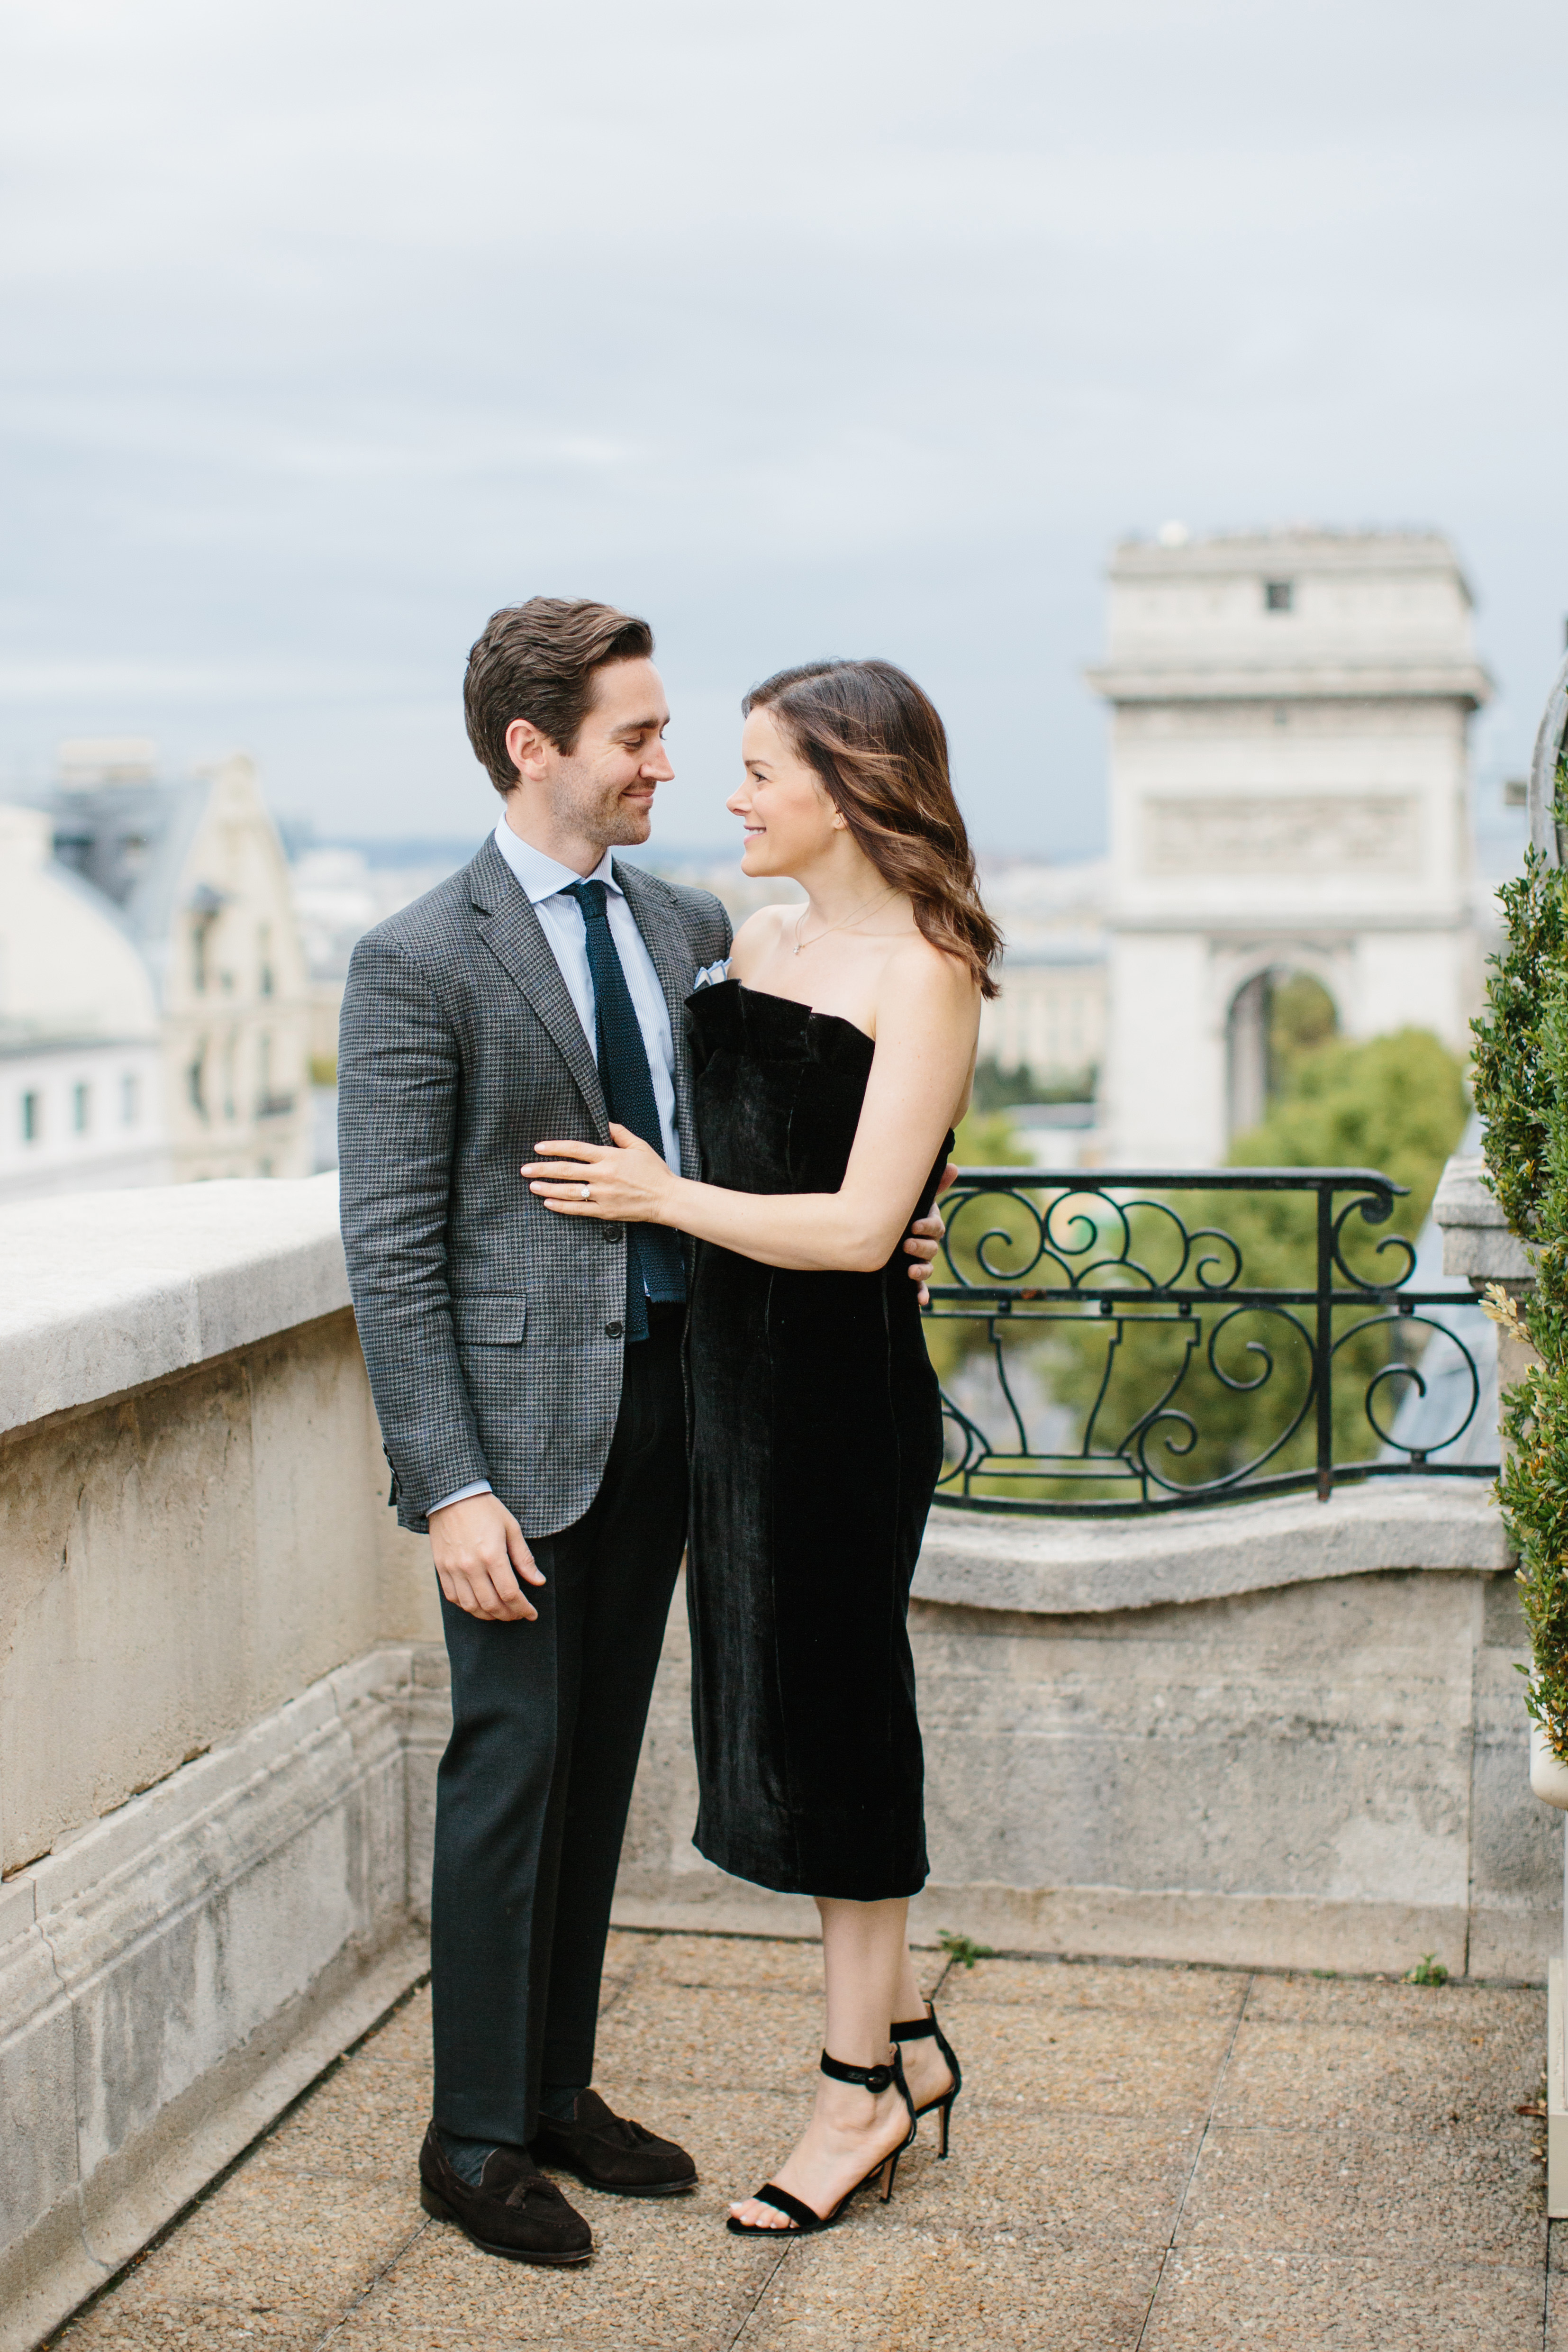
1288,758
1278,1015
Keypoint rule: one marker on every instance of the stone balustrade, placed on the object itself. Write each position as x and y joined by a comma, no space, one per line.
1280,1733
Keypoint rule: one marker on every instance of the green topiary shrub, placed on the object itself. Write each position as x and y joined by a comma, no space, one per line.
1515,1083
1521,1089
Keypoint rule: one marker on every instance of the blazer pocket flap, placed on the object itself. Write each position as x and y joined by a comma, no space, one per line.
498,1321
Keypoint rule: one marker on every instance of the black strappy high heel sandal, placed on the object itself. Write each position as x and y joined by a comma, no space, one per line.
805,2217
925,2029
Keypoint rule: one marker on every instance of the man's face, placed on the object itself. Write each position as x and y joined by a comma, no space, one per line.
603,788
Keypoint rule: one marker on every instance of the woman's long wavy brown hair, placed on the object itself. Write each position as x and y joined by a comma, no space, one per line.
881,751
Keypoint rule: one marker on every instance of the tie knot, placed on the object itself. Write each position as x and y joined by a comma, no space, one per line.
589,897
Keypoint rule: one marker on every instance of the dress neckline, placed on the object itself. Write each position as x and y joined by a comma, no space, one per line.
772,996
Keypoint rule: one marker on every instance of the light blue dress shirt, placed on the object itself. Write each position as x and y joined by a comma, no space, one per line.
546,883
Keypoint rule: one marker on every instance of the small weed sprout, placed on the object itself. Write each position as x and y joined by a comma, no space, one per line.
1428,1971
963,1949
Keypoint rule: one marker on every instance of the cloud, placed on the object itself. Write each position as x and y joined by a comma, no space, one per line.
58,682
863,325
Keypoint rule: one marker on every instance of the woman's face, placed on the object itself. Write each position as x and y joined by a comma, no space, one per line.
789,819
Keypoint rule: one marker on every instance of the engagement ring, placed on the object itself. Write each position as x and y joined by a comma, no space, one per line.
588,1191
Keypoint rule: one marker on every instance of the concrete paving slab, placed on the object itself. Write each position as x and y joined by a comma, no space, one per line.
1450,2009
1128,2149
665,2273
1384,2077
1067,2179
270,2252
740,2040
737,2136
1210,2301
735,1964
1447,2199
1095,2060
878,2283
404,2039
362,2121
1146,1990
206,2327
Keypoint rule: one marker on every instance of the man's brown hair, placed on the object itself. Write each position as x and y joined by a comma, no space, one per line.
536,661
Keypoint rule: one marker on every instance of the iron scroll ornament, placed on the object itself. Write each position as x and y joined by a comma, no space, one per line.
1041,1268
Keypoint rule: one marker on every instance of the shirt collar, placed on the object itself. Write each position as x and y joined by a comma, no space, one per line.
543,878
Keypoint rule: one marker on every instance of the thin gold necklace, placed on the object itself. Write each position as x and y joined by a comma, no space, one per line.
854,917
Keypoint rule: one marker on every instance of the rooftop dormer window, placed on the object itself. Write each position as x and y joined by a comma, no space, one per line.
1279,595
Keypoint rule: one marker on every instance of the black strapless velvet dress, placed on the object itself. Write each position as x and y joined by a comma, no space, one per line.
816,1437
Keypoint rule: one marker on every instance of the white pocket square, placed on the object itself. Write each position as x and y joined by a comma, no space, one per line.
710,976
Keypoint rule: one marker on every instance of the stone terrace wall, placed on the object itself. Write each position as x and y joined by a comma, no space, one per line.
1287,1734
1284,1732
218,1724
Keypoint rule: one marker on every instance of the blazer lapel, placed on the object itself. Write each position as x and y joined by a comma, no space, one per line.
516,938
670,952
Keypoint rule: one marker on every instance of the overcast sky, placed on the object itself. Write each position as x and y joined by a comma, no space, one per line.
853,328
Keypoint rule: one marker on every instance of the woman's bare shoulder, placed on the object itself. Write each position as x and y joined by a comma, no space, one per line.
757,939
916,970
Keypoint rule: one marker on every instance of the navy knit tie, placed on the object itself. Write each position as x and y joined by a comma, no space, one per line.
653,1266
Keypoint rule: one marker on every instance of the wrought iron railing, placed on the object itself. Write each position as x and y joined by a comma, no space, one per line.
1099,1352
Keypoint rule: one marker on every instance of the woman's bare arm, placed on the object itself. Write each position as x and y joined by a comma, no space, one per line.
927,1017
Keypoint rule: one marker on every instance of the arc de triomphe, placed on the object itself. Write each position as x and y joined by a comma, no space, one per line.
1290,713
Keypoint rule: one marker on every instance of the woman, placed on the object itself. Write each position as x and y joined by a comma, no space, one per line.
832,1063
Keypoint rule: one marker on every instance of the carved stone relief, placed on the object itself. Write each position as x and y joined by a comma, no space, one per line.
1320,833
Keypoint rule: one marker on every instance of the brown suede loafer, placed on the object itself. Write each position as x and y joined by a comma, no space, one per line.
605,2152
514,2211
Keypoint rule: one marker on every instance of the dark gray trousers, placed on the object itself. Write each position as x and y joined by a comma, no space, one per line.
533,1790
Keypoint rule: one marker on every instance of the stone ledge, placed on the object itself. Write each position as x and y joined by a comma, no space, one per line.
102,1296
994,1559
170,1978
1125,1923
1476,1239
61,2264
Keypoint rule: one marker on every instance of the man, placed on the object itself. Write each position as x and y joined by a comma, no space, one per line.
527,1374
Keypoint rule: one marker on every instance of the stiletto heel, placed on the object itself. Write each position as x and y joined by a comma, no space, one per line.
925,2029
805,2217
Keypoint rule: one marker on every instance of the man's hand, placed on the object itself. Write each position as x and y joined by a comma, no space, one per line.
925,1239
481,1556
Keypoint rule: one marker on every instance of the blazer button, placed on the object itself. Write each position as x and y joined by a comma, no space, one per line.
613,1331
611,1232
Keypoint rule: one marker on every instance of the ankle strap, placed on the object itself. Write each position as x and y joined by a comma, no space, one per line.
875,2079
920,2029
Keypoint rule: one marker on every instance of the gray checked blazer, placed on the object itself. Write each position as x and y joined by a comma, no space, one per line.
492,1329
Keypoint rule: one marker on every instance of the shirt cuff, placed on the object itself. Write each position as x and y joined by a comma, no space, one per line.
461,1495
